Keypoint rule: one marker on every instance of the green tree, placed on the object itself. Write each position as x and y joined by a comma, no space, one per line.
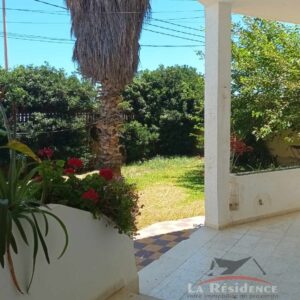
266,78
44,90
168,105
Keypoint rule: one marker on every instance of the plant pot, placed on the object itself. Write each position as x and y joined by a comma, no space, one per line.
98,262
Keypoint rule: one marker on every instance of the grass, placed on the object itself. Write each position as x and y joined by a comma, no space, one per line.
170,188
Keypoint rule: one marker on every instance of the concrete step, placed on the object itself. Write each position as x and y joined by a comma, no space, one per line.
125,295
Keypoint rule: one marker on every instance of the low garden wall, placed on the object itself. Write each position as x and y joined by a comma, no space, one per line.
98,262
258,195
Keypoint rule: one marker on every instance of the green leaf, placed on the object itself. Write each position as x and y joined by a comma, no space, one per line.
3,185
3,229
21,230
63,226
44,245
5,121
13,243
46,224
22,148
60,163
35,246
3,132
25,183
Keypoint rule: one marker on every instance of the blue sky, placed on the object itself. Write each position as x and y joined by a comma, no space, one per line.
55,23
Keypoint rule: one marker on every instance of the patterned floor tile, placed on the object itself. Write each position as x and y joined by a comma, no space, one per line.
151,248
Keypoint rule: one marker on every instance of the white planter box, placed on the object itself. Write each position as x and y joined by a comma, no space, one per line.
98,262
264,194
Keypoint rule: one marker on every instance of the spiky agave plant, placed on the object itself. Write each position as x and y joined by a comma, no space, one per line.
17,208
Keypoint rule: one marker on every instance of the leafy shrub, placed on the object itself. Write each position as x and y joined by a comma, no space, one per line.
43,92
101,194
266,89
139,141
164,102
18,207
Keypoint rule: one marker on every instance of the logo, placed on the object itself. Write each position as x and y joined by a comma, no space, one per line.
223,282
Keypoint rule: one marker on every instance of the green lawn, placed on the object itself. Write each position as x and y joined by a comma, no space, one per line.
170,188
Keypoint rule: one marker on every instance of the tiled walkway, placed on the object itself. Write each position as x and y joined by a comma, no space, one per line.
271,248
159,238
149,249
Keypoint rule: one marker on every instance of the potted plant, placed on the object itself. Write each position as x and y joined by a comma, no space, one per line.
16,206
44,204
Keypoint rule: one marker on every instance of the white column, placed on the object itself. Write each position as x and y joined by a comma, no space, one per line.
217,113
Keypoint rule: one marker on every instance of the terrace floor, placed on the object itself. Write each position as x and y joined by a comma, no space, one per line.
265,253
157,239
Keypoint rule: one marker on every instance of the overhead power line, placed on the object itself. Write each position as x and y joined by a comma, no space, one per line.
174,24
173,35
67,23
50,4
38,23
69,40
52,40
24,38
174,30
105,12
172,46
38,11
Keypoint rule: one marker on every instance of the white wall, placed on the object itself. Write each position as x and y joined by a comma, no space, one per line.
264,194
98,262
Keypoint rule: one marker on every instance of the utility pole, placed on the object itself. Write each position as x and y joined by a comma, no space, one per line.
4,35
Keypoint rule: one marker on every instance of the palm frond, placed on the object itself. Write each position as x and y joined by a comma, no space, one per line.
107,36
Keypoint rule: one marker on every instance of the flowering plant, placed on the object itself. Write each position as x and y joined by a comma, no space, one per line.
107,174
237,149
75,163
91,195
99,193
17,206
46,153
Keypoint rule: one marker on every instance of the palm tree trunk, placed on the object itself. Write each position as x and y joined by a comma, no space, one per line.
108,151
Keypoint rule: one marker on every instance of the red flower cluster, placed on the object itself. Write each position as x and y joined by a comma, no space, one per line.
46,152
75,163
91,195
238,147
69,171
107,174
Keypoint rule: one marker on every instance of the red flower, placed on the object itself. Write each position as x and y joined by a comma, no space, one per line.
46,152
238,147
75,163
69,171
106,173
92,195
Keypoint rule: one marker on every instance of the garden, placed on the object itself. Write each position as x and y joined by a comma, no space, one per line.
62,147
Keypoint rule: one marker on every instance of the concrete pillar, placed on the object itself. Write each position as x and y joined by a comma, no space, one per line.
217,113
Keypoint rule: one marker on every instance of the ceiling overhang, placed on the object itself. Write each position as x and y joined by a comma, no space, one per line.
277,10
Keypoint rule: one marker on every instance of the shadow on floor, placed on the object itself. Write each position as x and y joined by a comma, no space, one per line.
152,248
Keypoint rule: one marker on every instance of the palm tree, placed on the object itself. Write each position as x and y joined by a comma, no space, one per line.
107,47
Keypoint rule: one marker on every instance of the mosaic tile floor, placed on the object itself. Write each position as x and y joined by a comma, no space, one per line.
150,249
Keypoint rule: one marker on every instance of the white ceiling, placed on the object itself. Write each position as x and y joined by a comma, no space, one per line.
278,10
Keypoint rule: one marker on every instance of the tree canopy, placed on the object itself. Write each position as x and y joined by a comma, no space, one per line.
266,78
45,88
53,100
168,104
